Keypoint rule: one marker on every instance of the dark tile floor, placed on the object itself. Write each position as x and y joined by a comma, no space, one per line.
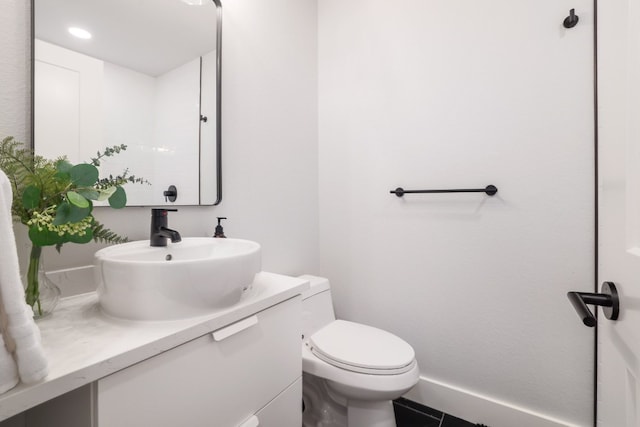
412,414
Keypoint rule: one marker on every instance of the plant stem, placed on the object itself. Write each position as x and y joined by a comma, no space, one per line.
33,289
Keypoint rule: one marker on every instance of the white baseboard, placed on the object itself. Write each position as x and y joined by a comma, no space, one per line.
74,281
477,408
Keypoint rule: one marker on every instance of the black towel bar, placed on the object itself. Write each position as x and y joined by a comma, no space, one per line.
490,190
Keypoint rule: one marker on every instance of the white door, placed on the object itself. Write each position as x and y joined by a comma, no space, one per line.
68,100
619,210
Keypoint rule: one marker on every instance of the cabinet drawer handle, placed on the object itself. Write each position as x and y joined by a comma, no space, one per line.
234,328
251,422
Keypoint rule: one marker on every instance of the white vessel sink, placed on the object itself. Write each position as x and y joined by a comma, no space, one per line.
186,279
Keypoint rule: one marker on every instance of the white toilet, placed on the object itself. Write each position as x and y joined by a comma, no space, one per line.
351,372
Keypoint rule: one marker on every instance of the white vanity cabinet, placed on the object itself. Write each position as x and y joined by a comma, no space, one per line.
239,367
246,374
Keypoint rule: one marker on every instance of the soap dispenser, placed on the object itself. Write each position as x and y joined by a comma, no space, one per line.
219,231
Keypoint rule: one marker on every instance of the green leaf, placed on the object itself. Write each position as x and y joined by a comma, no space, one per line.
63,166
77,214
118,199
66,212
104,235
83,175
77,199
105,193
89,194
62,213
82,239
63,177
31,197
45,237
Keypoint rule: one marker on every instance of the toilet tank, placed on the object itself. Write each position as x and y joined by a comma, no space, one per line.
317,306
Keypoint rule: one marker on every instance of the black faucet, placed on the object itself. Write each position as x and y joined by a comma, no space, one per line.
159,231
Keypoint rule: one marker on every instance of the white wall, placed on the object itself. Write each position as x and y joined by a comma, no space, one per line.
477,285
269,133
15,95
270,129
129,118
460,94
177,127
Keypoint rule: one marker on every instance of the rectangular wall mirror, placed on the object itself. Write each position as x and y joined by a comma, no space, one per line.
143,73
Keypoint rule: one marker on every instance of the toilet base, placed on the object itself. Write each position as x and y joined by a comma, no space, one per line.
322,408
370,414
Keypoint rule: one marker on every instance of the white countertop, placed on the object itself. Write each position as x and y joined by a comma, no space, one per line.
82,344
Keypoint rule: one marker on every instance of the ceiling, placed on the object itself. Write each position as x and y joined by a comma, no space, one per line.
149,36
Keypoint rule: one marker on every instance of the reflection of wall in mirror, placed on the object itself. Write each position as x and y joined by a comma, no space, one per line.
156,117
208,130
129,102
68,89
177,133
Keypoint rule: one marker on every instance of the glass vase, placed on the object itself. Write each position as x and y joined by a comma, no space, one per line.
40,292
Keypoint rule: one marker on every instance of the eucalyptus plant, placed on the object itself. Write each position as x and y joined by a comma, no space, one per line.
54,199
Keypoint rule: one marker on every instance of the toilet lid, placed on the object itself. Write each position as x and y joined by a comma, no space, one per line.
362,348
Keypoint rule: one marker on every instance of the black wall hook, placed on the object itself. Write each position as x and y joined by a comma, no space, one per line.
571,20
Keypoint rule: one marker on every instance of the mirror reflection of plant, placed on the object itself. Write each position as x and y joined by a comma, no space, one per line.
54,199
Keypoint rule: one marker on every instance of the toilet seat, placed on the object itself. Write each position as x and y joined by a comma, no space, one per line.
361,348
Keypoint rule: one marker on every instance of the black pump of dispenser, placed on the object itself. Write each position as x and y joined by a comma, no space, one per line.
219,231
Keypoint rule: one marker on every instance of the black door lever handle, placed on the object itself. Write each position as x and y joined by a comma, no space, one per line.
607,299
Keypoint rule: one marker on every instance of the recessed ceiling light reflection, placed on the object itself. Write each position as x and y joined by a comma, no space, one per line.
195,2
80,33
